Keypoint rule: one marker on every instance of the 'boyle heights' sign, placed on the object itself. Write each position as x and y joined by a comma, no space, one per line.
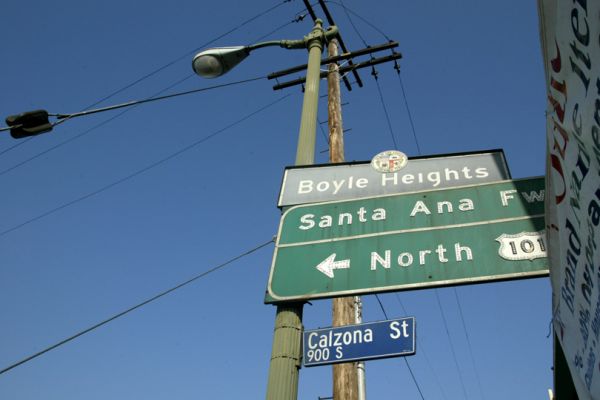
302,185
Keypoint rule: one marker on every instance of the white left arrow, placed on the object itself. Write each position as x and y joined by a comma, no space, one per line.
328,265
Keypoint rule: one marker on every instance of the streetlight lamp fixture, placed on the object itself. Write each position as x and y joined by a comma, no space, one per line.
217,61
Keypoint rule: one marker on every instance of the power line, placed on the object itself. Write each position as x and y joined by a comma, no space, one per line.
124,105
142,170
410,119
396,67
404,358
462,318
352,24
375,75
299,17
132,104
163,67
320,124
183,56
64,117
79,135
127,311
387,116
414,132
422,351
37,155
462,383
20,143
274,30
348,10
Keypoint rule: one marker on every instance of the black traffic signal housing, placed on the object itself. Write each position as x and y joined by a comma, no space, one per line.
29,123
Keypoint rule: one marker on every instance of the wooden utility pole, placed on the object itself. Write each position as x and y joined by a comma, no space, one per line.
345,377
334,108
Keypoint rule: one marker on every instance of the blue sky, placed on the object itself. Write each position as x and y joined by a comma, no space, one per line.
474,80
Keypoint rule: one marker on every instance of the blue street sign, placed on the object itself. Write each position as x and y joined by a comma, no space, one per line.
373,340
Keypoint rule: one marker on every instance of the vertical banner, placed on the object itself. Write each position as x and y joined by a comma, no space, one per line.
570,36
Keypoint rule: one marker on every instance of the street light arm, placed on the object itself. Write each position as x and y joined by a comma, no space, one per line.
215,62
286,44
325,36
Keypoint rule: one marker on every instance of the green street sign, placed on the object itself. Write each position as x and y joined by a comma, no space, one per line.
443,237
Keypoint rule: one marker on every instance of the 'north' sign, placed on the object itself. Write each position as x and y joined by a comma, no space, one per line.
471,234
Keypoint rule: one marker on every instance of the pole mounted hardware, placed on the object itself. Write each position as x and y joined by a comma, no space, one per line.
344,70
341,57
330,21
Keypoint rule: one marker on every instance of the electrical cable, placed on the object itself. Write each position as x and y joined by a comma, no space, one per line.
124,105
424,353
187,54
462,318
352,24
375,75
320,124
412,125
73,138
414,132
462,383
64,117
299,18
159,69
348,10
404,358
410,119
273,31
139,305
387,116
142,170
19,143
396,67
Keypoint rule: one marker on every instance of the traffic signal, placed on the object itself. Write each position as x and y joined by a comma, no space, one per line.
29,123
